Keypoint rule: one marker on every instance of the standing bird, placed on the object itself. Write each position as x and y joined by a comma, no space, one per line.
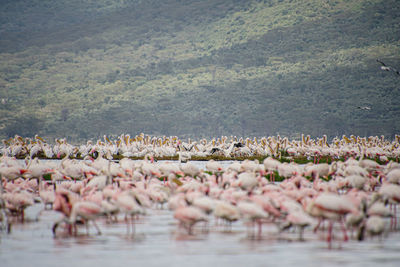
226,211
387,68
331,207
297,218
74,211
87,211
253,214
189,216
128,203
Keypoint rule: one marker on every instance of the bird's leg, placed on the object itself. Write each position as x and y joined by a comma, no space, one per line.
228,226
8,225
318,224
54,228
323,225
133,224
329,238
250,229
97,228
74,229
190,229
395,216
361,232
57,223
69,228
128,227
22,215
205,227
352,232
392,219
301,233
86,222
108,218
259,227
315,176
345,237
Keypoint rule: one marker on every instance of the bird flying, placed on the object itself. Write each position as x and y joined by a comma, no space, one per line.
364,108
387,68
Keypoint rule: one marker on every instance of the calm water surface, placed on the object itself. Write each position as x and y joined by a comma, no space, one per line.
159,242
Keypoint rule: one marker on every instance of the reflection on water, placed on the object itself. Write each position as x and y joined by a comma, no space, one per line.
159,241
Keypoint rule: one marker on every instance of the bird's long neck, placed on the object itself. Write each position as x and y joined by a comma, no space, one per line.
361,152
73,216
229,151
231,147
109,177
180,157
1,184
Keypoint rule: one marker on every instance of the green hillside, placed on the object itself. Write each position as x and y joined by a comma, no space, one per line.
82,69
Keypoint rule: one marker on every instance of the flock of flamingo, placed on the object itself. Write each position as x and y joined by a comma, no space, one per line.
357,191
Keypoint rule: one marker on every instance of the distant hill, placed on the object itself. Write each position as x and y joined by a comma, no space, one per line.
82,69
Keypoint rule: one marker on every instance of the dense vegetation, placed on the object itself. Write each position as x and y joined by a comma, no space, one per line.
81,69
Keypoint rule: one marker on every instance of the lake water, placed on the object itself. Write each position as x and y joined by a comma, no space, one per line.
159,241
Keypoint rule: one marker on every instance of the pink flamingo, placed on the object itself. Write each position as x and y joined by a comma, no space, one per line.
226,212
87,211
67,204
331,207
18,201
47,195
391,195
271,165
297,218
12,173
189,216
252,213
128,204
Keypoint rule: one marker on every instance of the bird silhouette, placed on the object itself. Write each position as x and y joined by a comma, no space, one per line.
387,68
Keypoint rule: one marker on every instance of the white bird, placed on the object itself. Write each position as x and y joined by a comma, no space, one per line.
226,211
189,216
364,108
252,213
387,68
128,204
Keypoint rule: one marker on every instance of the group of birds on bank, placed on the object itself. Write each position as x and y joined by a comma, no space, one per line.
360,195
232,147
